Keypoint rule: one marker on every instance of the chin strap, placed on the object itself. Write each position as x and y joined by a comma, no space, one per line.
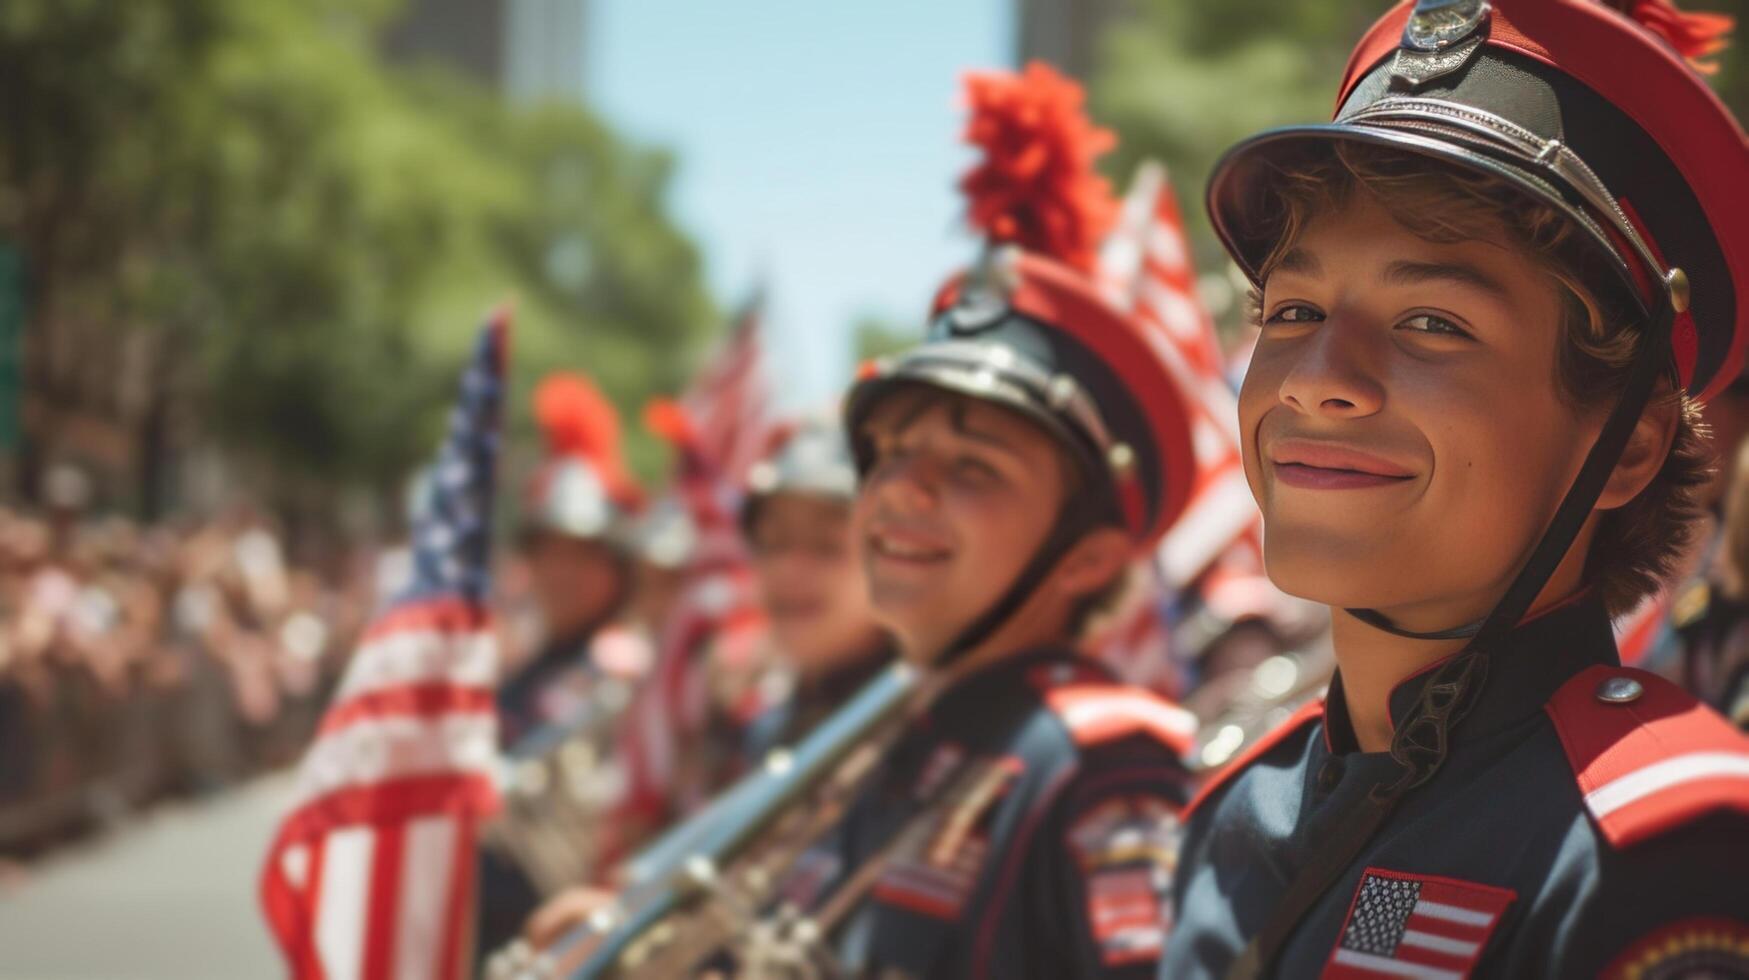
1575,507
1420,742
1378,620
1071,523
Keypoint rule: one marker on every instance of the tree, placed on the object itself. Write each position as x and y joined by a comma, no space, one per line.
876,337
241,229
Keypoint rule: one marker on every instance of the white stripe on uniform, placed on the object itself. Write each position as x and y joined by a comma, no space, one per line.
1660,776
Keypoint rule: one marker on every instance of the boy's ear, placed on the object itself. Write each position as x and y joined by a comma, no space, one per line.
1648,446
1101,555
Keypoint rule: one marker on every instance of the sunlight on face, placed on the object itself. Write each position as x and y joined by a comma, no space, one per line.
960,495
1404,435
811,581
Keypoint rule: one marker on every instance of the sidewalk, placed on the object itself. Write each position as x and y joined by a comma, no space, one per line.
171,896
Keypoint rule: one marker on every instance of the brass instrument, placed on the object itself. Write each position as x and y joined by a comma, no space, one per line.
557,784
706,885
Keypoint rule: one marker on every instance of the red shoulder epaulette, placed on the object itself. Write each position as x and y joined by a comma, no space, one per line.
1647,760
1309,711
1096,710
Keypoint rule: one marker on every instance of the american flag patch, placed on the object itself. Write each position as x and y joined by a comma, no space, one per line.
1404,925
938,890
1127,849
1127,913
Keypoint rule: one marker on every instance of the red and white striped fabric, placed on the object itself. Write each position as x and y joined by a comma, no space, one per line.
1405,925
720,428
729,402
1146,268
371,875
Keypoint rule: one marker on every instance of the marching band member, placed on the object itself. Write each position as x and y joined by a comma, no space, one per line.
1490,293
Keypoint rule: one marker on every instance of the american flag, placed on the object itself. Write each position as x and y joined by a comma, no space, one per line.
1410,926
720,428
728,403
371,873
1146,268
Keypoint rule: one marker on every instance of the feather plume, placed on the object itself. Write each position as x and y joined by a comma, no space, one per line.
579,422
1036,186
1695,36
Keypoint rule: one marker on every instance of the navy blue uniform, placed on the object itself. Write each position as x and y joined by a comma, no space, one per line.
1588,820
1050,857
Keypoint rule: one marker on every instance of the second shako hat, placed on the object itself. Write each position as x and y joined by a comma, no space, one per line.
1027,328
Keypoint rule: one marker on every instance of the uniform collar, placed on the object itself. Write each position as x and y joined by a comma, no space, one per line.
1525,668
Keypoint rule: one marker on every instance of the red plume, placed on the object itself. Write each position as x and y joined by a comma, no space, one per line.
1693,35
1036,186
580,422
669,420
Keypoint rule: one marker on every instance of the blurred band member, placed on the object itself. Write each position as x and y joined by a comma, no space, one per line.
576,541
797,522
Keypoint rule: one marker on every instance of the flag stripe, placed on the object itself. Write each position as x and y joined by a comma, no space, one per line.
443,614
1385,966
340,912
397,748
457,936
1439,944
431,699
385,893
306,952
1453,913
425,887
420,656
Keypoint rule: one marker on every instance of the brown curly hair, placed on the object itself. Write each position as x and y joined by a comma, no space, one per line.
1638,545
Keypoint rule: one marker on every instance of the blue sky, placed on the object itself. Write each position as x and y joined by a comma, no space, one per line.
818,142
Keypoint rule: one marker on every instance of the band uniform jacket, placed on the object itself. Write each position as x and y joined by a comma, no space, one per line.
1053,856
1589,820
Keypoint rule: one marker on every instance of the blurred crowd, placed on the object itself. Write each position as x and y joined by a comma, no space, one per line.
139,662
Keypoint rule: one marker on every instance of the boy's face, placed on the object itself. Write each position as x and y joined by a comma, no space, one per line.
811,581
1403,432
577,582
959,497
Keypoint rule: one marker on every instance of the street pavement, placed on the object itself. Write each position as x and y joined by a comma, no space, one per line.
170,895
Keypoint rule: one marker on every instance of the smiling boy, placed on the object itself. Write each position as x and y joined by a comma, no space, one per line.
1013,465
1021,821
1490,295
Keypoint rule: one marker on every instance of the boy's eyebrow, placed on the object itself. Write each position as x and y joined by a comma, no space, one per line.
1299,261
1405,273
988,438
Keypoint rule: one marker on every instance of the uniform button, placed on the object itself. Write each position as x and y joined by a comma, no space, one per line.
1619,690
1329,775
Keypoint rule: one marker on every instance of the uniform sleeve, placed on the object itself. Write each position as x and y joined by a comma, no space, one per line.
1675,906
1109,853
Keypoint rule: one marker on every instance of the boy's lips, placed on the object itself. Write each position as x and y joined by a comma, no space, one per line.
1330,466
905,547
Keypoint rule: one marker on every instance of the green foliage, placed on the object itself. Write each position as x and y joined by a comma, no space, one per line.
307,238
877,337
